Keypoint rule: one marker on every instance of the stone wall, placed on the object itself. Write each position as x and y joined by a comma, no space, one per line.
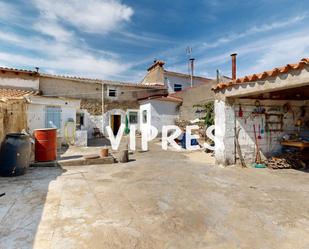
195,96
124,105
94,107
62,87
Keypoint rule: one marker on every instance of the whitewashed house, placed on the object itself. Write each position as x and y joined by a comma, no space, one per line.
157,75
34,111
52,112
159,111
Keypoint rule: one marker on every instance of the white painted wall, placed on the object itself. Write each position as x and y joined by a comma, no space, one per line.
225,133
91,122
159,113
145,106
36,113
107,119
18,81
35,116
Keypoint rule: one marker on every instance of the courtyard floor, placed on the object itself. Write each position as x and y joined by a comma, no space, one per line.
157,200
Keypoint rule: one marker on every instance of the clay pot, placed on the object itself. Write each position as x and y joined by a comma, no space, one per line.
104,152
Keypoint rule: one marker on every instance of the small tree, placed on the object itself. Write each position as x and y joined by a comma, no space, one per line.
208,110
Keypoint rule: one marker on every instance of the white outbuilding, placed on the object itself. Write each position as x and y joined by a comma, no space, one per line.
159,111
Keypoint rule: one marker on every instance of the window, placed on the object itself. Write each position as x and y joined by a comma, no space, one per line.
53,117
177,87
133,117
144,114
112,92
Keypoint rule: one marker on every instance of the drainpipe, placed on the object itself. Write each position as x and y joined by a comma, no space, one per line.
233,66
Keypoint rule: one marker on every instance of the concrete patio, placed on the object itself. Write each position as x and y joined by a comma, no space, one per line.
158,200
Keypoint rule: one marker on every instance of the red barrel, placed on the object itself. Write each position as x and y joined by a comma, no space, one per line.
45,144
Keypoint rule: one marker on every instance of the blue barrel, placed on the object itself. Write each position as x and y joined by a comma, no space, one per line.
15,154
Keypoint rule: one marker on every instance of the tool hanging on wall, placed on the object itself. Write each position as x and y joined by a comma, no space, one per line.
259,136
240,112
302,111
262,129
288,108
257,154
241,158
258,107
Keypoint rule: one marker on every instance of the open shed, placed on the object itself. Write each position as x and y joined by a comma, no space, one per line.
274,103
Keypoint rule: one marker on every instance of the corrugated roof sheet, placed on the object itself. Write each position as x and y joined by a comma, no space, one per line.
262,76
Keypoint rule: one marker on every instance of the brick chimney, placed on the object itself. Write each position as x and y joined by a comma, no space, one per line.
234,66
156,64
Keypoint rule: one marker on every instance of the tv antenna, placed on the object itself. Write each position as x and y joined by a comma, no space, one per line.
190,64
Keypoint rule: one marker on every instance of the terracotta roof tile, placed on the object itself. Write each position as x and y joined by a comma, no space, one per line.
11,93
272,73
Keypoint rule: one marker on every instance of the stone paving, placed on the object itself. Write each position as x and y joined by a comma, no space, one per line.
158,200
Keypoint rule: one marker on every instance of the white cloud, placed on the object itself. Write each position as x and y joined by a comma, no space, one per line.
53,29
255,30
7,11
63,57
288,49
94,16
263,54
66,53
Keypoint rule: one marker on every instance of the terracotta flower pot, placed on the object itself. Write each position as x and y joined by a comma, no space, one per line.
104,152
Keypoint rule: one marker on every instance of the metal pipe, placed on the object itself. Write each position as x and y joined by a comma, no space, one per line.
192,70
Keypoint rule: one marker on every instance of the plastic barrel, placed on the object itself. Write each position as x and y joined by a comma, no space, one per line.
15,154
45,144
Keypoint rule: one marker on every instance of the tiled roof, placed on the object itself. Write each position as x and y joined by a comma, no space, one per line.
183,75
11,93
99,81
14,70
264,75
164,98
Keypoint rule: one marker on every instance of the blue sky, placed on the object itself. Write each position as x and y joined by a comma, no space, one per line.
118,40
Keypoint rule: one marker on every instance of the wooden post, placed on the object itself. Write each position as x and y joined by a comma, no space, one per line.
123,156
242,161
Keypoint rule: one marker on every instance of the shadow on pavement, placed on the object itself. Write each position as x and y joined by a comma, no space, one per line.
23,204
